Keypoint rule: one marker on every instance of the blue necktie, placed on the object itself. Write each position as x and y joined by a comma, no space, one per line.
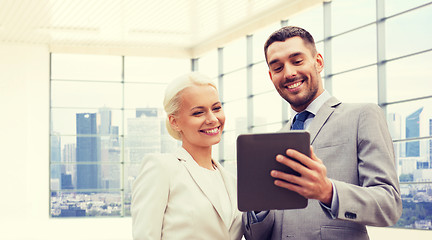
299,120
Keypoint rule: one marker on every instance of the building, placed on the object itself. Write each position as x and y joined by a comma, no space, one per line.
56,159
143,133
69,163
412,130
87,152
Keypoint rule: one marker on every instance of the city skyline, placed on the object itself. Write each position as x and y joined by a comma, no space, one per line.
413,159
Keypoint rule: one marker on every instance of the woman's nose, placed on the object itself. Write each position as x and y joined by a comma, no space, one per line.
211,118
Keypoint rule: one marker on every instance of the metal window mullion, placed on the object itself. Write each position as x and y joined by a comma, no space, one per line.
122,150
221,96
50,134
249,83
381,64
285,106
328,68
194,64
408,100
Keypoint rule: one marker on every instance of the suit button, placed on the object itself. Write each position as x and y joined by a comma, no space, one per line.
350,215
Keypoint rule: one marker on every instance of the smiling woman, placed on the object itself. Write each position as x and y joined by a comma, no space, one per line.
200,120
187,194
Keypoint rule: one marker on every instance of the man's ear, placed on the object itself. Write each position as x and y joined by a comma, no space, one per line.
173,122
271,77
319,62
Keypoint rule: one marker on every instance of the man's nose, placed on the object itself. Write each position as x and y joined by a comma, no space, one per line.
289,71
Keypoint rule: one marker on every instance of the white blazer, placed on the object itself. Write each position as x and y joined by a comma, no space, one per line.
170,200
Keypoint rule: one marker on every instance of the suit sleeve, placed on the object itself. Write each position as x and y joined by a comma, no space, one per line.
149,198
376,201
258,230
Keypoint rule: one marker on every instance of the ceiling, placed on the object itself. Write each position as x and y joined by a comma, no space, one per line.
175,28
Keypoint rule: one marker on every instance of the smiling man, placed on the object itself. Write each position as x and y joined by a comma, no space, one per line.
350,178
294,68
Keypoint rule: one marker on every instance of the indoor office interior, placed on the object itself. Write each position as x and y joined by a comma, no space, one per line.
82,84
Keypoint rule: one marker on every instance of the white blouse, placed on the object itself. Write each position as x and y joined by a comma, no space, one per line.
219,191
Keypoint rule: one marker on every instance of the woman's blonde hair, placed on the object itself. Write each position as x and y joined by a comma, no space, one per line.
172,100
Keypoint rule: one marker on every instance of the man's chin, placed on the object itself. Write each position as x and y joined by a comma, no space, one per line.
294,100
297,103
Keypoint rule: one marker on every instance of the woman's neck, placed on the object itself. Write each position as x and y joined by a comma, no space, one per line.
201,155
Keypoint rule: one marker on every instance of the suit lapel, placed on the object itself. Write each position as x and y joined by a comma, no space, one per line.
230,189
200,178
321,117
319,120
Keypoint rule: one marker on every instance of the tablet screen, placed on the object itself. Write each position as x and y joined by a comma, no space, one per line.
256,157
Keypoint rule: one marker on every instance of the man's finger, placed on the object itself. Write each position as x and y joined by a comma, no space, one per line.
313,156
287,177
294,165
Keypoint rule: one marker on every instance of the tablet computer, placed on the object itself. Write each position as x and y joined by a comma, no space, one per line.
256,157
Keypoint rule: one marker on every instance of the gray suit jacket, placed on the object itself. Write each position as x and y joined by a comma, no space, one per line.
354,143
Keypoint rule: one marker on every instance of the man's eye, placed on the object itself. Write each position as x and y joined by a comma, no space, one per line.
277,69
298,62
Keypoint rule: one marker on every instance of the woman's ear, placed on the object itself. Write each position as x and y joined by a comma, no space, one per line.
173,122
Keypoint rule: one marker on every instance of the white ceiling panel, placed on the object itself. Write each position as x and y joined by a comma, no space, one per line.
138,27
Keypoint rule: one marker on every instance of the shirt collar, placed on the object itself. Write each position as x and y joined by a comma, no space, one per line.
316,104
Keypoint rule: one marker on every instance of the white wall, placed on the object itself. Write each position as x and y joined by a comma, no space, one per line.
24,163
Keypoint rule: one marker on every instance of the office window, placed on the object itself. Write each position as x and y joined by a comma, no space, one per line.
404,117
406,92
208,64
234,87
312,20
410,124
234,55
409,32
408,77
267,108
409,106
261,81
396,6
235,124
354,49
259,38
106,115
357,85
350,14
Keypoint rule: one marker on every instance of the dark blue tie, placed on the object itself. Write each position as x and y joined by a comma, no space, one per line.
299,120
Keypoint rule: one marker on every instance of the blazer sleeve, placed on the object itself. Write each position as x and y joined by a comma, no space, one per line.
258,230
376,201
149,198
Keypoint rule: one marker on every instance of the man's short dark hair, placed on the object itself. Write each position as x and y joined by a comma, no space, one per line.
288,32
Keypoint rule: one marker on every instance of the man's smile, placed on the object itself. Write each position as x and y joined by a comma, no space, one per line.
294,85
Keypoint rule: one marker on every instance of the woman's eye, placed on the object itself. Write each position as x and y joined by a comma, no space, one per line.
217,108
196,113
